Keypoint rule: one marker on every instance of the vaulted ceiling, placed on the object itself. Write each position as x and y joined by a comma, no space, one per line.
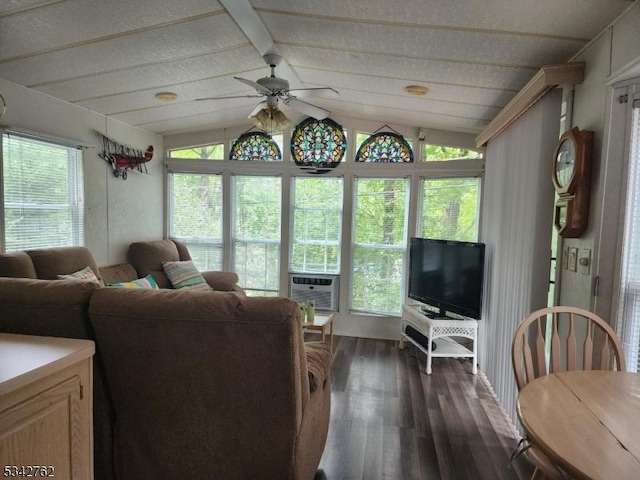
114,56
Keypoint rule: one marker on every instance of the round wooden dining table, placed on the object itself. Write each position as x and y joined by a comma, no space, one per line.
587,422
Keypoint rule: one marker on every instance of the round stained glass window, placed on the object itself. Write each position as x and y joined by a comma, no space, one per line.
318,143
385,147
255,147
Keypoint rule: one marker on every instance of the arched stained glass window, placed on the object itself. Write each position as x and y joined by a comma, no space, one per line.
318,143
385,147
255,147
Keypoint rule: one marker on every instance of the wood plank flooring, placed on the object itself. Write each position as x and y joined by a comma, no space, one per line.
391,421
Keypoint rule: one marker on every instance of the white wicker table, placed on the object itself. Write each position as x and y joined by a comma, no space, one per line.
443,329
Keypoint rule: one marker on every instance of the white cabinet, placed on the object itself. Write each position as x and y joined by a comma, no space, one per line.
46,392
443,330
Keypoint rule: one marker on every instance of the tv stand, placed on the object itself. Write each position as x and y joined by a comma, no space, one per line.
438,327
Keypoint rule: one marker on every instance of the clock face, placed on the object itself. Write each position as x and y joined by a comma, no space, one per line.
565,162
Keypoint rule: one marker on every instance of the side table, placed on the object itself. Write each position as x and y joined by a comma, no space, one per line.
440,328
320,324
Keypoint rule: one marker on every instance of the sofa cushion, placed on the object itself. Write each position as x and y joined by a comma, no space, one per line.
147,282
223,281
84,275
121,272
51,262
184,274
17,265
147,258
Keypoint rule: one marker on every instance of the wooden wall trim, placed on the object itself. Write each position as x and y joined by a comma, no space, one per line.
546,78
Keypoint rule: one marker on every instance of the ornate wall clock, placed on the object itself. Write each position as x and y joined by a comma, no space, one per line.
571,178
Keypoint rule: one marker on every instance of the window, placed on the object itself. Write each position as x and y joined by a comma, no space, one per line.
450,208
439,153
195,216
379,236
43,193
256,233
316,224
203,152
629,323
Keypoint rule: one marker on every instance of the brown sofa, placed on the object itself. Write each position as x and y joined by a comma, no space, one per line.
211,385
32,304
224,382
145,258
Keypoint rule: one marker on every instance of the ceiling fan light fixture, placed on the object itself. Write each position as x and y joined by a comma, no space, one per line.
166,96
270,119
416,90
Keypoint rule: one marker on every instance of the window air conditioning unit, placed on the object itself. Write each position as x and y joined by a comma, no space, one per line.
324,289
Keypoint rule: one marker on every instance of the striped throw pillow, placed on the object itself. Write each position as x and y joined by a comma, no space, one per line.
184,274
146,283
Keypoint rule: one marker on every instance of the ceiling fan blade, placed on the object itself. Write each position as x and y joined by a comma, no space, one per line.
233,96
255,85
306,108
314,88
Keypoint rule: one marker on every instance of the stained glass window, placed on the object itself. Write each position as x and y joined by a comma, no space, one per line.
318,143
385,147
255,147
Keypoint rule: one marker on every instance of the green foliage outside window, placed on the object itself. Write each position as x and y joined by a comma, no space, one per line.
256,233
381,207
195,203
202,152
450,209
317,224
439,153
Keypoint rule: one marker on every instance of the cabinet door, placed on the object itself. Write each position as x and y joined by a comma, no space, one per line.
45,429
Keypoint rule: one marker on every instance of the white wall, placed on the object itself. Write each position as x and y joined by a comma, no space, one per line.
613,55
117,212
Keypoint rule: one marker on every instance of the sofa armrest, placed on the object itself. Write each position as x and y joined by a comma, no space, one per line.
319,358
222,281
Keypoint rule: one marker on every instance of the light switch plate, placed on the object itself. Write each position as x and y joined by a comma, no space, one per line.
565,257
584,261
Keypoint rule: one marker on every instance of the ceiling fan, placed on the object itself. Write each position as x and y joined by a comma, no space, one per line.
267,115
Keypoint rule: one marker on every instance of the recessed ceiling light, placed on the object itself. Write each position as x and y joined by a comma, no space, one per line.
166,96
416,90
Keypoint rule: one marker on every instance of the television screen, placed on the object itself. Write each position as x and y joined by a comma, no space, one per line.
447,275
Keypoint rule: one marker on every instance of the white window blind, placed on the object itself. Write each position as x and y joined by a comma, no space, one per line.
256,232
43,189
629,318
195,216
379,241
317,224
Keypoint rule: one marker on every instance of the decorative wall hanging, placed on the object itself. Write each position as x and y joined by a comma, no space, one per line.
255,146
318,145
385,147
122,158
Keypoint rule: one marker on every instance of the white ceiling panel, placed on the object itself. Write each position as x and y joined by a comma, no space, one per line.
74,22
420,43
559,18
240,61
152,46
407,69
370,83
112,56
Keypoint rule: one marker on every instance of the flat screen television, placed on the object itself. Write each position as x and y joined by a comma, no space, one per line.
447,276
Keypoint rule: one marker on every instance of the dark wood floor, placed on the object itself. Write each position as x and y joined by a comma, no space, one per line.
391,421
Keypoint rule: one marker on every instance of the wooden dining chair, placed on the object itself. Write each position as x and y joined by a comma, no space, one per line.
557,339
